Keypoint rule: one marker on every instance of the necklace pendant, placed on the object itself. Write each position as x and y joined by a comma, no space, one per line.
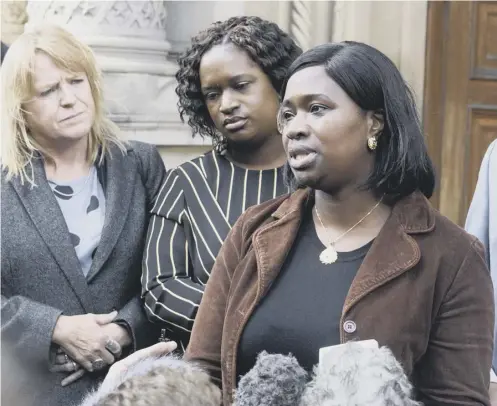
329,255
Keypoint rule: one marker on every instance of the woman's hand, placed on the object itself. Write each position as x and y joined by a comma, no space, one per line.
117,333
84,339
63,363
118,338
120,367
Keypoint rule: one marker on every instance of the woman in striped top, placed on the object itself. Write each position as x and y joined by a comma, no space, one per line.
228,86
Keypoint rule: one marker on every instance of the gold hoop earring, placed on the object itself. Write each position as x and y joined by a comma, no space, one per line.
372,143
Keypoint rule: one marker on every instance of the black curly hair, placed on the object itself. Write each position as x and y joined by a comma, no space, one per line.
267,45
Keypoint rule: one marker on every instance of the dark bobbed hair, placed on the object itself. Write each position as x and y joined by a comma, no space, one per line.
265,43
374,83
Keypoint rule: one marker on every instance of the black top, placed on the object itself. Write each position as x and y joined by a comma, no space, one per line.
301,312
196,208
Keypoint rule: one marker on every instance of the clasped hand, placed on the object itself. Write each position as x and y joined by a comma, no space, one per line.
87,342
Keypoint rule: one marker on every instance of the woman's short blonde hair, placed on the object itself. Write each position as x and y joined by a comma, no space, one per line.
68,53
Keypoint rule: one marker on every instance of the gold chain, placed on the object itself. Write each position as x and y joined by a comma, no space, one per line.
333,242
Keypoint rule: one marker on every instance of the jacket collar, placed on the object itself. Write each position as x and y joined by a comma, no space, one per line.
44,211
118,175
414,212
410,215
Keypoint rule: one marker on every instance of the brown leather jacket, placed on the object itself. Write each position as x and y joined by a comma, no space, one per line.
423,290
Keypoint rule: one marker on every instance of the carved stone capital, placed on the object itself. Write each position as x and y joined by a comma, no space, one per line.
127,36
132,19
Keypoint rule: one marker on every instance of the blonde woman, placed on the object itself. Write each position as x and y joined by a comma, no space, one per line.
75,203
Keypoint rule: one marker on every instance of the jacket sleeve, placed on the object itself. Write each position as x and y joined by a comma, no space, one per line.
172,294
455,369
28,327
205,342
477,220
132,315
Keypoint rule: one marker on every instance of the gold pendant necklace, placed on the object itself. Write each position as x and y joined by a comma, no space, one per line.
329,255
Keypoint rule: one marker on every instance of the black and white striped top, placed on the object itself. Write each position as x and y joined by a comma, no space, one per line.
197,206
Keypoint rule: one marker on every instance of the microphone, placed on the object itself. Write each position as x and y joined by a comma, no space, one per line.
359,376
156,381
275,380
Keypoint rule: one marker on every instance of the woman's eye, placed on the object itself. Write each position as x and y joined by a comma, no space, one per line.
48,91
76,81
210,96
317,108
282,119
241,85
287,115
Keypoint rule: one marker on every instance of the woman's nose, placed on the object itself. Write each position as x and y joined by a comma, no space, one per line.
228,103
296,129
67,96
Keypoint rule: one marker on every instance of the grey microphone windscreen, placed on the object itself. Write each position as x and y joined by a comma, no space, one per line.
359,376
275,380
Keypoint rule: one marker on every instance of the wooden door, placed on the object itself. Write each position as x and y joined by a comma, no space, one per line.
460,97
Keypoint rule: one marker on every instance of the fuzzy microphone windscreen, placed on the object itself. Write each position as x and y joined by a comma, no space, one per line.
275,380
359,377
157,381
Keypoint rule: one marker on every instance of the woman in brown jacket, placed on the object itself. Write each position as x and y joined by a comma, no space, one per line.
356,252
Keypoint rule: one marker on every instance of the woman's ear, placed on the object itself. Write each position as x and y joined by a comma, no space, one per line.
376,123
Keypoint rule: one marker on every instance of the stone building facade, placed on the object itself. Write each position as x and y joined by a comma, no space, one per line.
137,42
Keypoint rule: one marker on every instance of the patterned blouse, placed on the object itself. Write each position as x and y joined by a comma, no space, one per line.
82,202
196,208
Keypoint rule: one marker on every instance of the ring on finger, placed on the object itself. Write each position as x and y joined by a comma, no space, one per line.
74,366
98,364
112,345
66,358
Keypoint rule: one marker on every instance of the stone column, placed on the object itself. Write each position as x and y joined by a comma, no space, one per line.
129,40
14,17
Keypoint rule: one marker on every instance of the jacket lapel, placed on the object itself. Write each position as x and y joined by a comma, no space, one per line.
43,209
273,242
119,178
411,215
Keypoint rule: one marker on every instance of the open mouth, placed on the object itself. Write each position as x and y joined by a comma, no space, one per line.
301,158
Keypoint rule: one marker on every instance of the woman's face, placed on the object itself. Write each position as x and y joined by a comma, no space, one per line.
240,98
325,133
62,109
